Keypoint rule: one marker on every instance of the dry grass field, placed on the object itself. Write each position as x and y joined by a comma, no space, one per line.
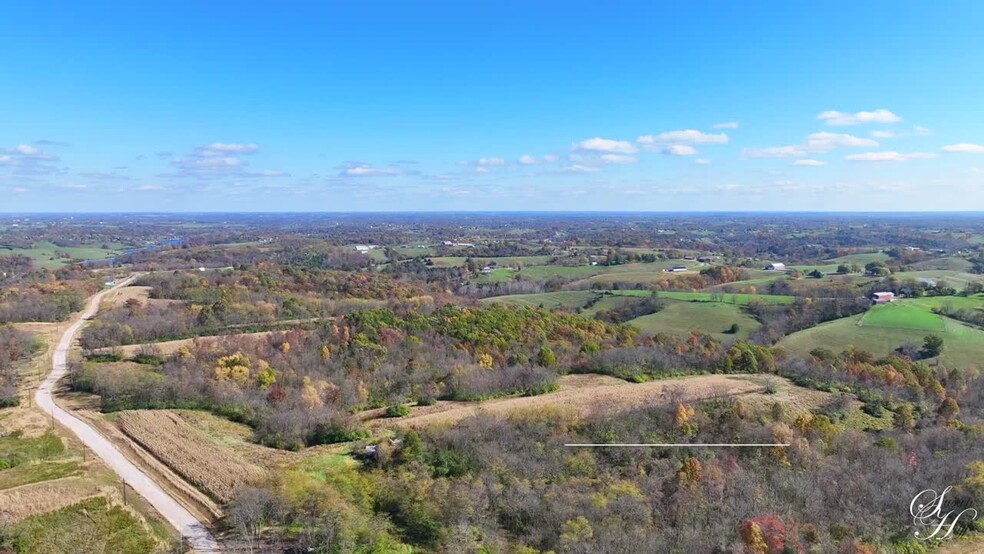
178,444
167,348
586,395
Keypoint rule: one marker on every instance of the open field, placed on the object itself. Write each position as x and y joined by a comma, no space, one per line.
92,525
860,258
572,299
524,261
588,395
584,394
46,254
975,302
956,279
962,343
166,348
626,272
713,318
901,315
183,448
39,498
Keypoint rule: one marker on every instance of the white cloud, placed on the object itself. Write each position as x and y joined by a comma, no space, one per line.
921,131
528,160
702,161
481,169
726,125
25,159
686,136
607,145
618,159
491,161
809,162
884,134
579,168
550,158
841,119
821,142
679,150
226,148
890,156
773,152
366,170
964,148
150,187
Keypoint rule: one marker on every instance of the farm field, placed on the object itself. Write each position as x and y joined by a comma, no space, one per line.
635,272
956,279
860,258
584,394
902,315
180,446
45,254
962,343
714,318
570,300
524,261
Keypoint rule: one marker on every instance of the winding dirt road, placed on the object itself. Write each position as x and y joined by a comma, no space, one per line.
191,529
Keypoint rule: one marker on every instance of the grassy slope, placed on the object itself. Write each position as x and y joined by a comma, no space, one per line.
569,300
43,252
89,526
901,315
962,343
681,317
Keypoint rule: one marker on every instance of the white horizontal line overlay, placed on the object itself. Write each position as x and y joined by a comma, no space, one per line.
676,445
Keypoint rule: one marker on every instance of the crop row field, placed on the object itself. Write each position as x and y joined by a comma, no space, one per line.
210,467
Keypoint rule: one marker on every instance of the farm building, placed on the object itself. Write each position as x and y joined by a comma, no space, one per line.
882,297
777,266
676,268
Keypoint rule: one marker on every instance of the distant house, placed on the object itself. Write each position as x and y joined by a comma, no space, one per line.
882,297
705,259
676,268
690,258
364,248
777,266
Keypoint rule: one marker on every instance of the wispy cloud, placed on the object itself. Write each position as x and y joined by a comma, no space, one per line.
679,150
610,146
890,156
824,141
359,169
25,159
686,136
217,160
773,152
226,148
809,162
726,125
618,159
964,148
842,119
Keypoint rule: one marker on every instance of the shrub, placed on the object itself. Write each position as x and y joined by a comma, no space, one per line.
397,410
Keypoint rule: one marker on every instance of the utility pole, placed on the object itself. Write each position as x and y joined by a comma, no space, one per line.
124,492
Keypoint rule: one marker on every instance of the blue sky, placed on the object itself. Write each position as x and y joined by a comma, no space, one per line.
508,105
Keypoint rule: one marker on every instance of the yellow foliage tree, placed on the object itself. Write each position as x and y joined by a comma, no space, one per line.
485,361
310,398
576,531
266,376
235,367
